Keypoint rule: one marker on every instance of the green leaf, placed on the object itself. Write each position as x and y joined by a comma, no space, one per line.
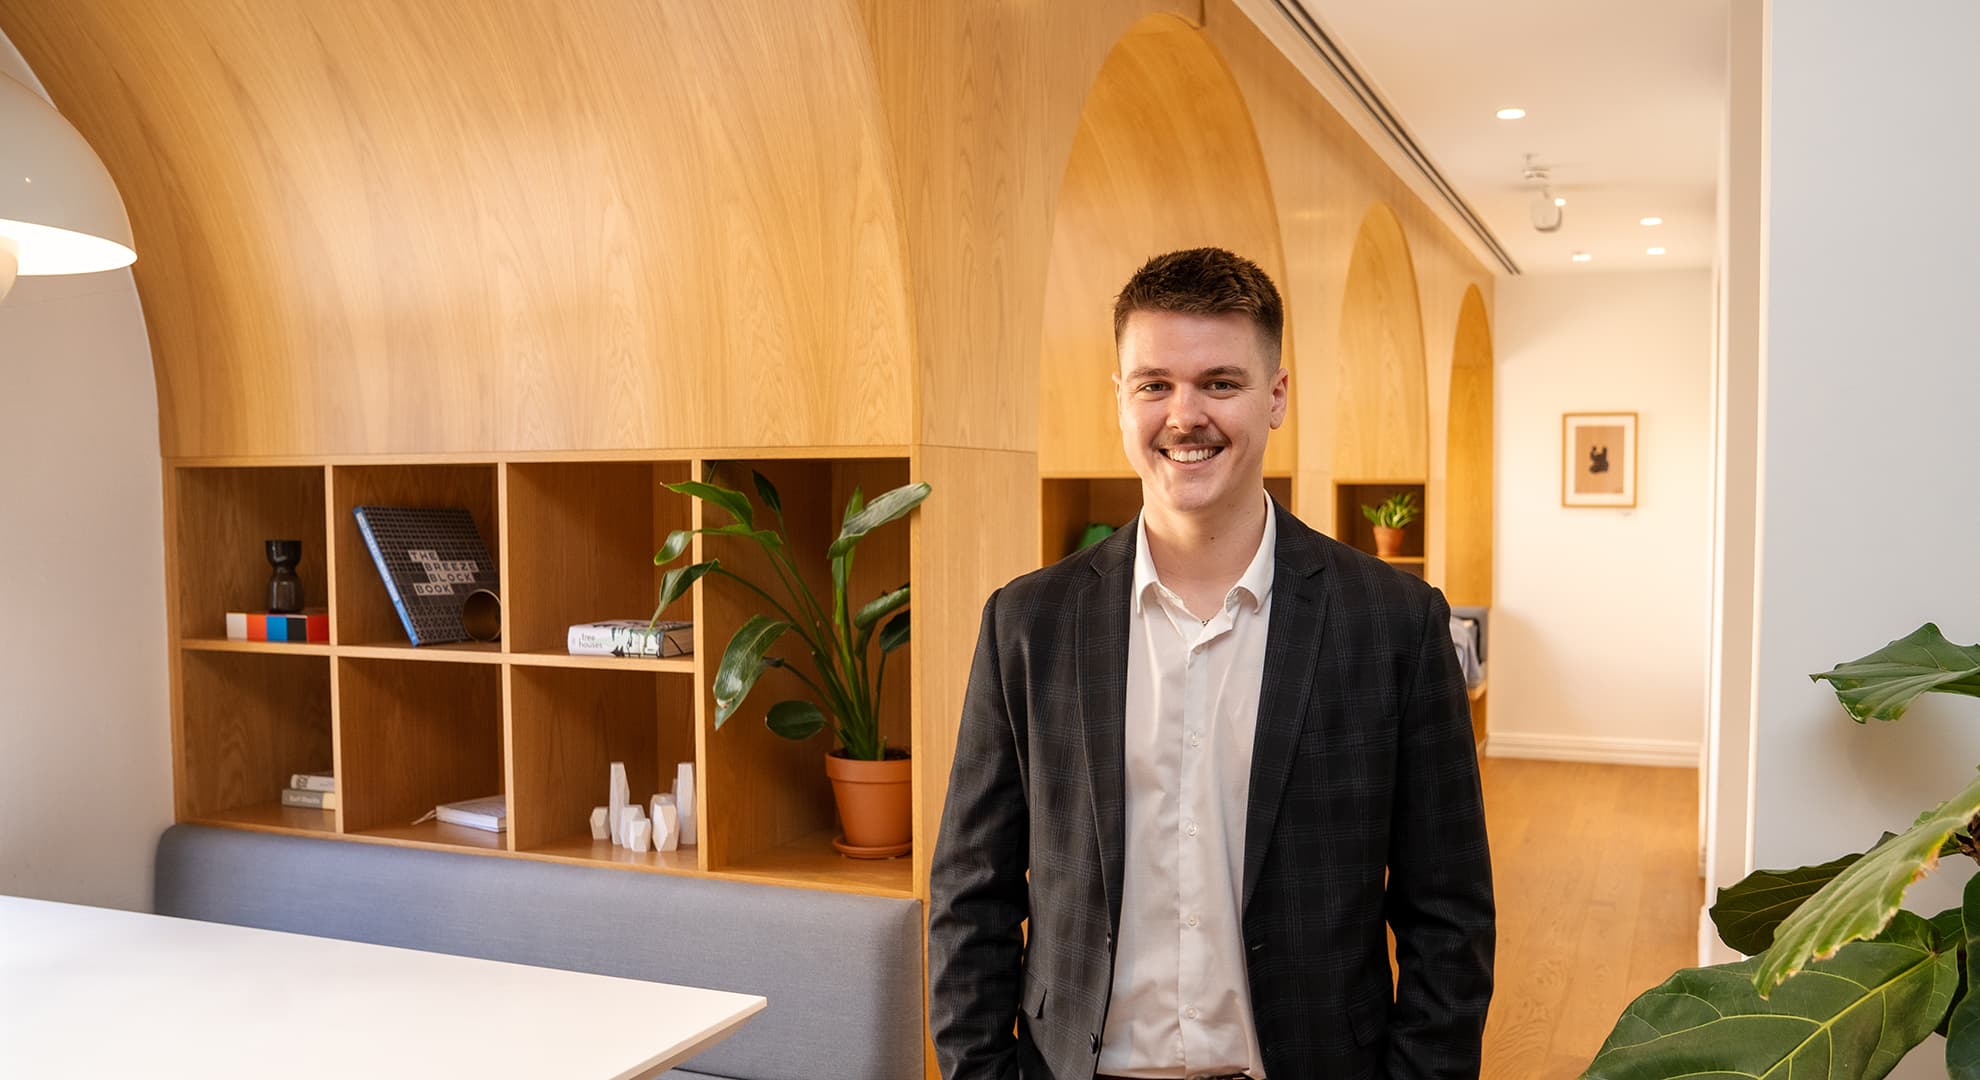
677,542
1851,1016
880,607
1093,534
769,538
742,663
675,583
1861,899
795,719
735,502
1882,685
896,633
1963,1023
880,511
1747,913
767,491
854,505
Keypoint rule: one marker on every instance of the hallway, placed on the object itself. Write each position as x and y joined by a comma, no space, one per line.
1596,872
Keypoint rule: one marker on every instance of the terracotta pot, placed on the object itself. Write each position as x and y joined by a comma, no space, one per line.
876,801
1388,542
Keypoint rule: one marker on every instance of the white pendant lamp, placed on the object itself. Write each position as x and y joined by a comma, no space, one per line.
59,212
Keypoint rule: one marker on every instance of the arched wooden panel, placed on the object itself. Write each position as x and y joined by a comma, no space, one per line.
1165,158
1468,461
410,227
1381,407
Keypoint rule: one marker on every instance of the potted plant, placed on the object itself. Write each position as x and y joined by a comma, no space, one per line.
1840,982
871,781
1389,519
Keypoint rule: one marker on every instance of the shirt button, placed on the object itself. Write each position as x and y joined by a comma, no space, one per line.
1192,920
1196,738
1190,828
1191,1013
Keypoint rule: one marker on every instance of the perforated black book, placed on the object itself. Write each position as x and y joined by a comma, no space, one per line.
430,559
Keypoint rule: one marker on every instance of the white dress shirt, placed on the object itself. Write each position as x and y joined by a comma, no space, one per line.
1181,1004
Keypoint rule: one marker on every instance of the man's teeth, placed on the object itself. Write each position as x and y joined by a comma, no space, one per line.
1190,457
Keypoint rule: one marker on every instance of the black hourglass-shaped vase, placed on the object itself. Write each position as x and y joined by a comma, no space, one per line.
285,589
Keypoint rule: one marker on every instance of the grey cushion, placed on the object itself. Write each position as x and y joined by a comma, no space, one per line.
842,973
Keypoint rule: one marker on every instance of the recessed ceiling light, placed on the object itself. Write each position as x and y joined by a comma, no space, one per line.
1582,256
1651,221
1511,114
1653,251
1560,200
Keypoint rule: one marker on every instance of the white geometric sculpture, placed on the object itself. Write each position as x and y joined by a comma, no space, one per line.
666,825
621,793
641,834
633,816
684,799
601,823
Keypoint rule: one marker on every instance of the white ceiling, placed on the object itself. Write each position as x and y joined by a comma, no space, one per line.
1623,99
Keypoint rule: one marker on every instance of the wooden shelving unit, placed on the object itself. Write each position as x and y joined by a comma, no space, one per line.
1354,530
406,728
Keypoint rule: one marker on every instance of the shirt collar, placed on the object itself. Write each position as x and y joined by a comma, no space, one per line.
1256,582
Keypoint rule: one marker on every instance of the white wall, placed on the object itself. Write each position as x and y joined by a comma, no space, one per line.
85,754
1600,616
1870,443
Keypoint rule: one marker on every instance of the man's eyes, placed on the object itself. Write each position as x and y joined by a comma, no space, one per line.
1221,386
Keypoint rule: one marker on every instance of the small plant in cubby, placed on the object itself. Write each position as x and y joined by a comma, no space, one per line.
871,780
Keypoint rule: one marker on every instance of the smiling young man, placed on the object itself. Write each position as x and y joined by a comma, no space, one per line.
1210,759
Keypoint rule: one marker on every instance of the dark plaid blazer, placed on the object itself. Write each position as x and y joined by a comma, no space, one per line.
1364,811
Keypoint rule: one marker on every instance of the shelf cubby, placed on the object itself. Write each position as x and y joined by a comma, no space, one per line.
362,613
411,736
1068,504
567,726
221,518
249,722
581,539
766,798
1354,528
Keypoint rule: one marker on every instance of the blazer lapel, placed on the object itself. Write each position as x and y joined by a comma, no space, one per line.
1292,649
1102,668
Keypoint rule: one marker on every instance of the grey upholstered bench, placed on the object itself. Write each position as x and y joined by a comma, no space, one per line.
842,973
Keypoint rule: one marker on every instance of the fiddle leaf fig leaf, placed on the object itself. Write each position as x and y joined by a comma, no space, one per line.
1882,685
1746,913
1962,1027
1853,1015
795,719
742,663
1862,898
734,502
880,511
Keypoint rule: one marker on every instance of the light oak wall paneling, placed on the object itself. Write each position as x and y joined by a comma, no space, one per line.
364,612
417,734
1468,473
1164,158
581,539
251,720
982,100
970,538
1325,178
1381,409
387,227
222,518
570,724
770,793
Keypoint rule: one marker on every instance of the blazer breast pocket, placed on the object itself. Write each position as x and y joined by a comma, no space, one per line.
1032,1000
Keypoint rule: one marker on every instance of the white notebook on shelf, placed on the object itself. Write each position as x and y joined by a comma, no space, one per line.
490,813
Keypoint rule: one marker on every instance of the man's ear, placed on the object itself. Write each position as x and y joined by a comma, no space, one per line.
1281,395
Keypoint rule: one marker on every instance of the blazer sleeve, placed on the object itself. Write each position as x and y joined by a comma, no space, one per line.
977,893
1439,901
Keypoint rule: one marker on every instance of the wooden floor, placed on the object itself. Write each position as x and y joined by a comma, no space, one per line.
1595,868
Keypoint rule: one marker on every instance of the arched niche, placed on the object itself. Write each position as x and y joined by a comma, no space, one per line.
1468,459
1381,407
1165,158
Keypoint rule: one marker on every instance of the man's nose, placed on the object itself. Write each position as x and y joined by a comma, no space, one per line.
1186,410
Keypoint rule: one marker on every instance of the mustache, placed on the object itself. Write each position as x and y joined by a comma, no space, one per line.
1183,444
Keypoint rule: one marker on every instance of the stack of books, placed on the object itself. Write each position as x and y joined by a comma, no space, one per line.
490,813
311,791
631,637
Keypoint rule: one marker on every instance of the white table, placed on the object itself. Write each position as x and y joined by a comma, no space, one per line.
89,992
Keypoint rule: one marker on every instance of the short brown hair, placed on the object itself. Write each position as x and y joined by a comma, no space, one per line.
1205,281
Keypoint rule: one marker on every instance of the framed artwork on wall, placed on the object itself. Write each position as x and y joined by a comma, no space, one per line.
1598,459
